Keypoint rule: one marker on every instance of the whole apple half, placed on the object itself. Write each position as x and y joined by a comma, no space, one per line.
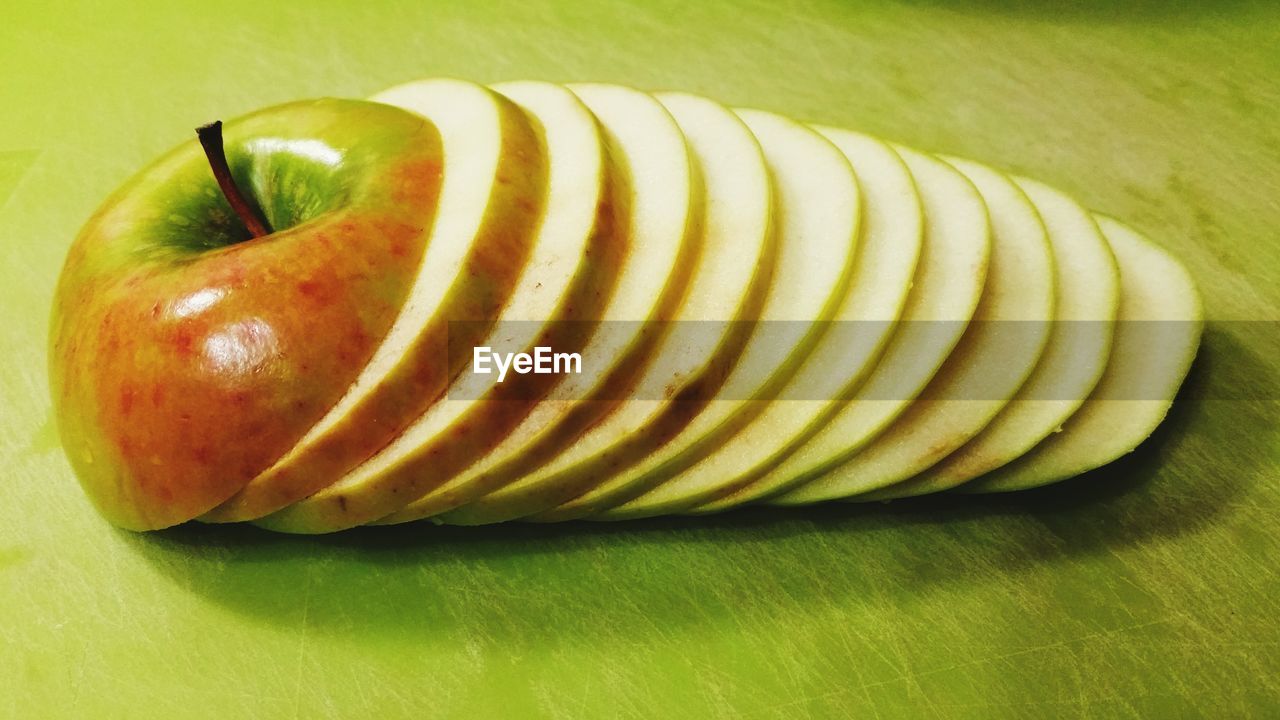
185,357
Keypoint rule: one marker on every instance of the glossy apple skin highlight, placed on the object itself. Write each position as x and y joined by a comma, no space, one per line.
184,357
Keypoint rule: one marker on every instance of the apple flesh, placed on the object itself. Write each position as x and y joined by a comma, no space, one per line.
1088,292
999,350
184,356
668,250
888,251
729,278
1160,322
819,208
943,296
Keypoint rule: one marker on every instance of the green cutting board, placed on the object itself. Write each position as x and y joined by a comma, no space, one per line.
1147,589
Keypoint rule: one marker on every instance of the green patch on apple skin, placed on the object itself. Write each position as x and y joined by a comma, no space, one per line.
14,165
289,181
284,184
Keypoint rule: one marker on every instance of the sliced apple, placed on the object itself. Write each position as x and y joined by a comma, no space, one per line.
665,219
1088,294
729,282
492,195
571,273
999,350
819,211
892,227
1156,337
754,324
942,299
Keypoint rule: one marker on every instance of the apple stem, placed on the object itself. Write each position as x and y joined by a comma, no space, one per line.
211,140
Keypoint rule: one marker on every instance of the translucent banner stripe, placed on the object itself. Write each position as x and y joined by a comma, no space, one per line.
497,370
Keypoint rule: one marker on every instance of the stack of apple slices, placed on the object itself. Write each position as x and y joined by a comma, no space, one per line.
761,311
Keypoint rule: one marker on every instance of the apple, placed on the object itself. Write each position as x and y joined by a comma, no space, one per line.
184,354
276,328
665,206
729,280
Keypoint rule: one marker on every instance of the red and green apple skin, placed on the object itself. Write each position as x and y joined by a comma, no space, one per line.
186,357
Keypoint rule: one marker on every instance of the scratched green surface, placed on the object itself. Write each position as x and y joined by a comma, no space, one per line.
1146,590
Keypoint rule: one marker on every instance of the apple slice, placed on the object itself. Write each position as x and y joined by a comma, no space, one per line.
1088,294
571,274
492,195
183,353
944,294
665,216
1160,322
819,211
728,282
998,352
892,227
